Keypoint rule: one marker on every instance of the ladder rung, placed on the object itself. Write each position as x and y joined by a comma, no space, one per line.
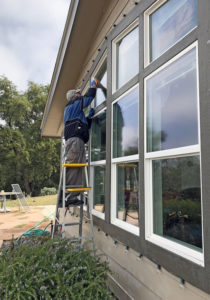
69,224
74,165
79,189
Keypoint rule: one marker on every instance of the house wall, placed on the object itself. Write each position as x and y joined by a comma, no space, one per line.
135,277
140,278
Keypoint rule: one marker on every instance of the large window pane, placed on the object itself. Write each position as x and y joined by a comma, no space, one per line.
98,137
125,125
127,193
102,77
127,57
170,23
99,188
177,200
172,117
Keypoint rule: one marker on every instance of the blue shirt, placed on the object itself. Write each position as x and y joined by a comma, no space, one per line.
74,109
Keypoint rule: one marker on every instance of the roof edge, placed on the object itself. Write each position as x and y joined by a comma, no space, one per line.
60,57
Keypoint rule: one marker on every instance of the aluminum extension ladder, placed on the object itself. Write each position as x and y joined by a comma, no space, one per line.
65,194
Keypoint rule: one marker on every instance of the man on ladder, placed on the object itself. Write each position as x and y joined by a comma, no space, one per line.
76,134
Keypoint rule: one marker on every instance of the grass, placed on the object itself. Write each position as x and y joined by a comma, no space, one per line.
35,201
20,226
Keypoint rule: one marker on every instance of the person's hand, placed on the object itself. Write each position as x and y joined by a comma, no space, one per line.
94,83
91,113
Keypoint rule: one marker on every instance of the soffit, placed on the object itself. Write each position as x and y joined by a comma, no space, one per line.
87,18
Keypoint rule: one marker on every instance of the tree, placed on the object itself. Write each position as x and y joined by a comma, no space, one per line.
25,157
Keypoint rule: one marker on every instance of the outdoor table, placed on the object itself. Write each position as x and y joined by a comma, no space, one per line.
4,195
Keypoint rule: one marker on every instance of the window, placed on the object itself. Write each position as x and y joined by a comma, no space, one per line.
172,166
125,125
126,56
177,200
98,137
127,193
84,91
125,169
168,24
98,163
102,77
172,112
99,188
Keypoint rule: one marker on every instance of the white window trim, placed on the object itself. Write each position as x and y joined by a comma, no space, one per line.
182,151
97,69
114,52
92,165
184,251
99,65
147,14
94,211
97,163
134,158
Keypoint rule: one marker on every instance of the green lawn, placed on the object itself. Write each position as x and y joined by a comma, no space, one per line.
35,201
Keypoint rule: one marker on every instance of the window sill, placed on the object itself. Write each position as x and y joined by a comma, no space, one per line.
98,214
126,226
178,249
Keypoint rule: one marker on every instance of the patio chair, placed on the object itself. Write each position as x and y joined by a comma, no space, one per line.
21,198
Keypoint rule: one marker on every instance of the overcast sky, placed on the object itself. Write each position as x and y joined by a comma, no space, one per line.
30,32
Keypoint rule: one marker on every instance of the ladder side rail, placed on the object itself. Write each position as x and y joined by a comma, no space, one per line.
62,160
63,201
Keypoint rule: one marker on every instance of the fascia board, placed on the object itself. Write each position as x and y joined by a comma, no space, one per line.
59,62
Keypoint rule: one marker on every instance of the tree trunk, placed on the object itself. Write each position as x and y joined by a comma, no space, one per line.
26,185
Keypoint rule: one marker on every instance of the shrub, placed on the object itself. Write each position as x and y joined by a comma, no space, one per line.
48,191
42,268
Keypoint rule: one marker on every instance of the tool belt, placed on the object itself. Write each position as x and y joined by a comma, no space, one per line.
76,128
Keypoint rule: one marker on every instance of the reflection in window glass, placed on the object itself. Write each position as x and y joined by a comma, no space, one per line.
172,119
127,193
102,77
177,200
170,23
98,137
125,125
127,57
99,188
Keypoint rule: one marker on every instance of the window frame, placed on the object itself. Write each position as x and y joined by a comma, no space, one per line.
147,14
114,161
124,158
114,220
94,211
92,165
123,34
149,157
95,72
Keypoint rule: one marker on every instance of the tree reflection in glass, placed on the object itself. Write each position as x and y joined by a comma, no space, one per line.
98,137
99,188
177,200
172,112
125,125
127,193
173,20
